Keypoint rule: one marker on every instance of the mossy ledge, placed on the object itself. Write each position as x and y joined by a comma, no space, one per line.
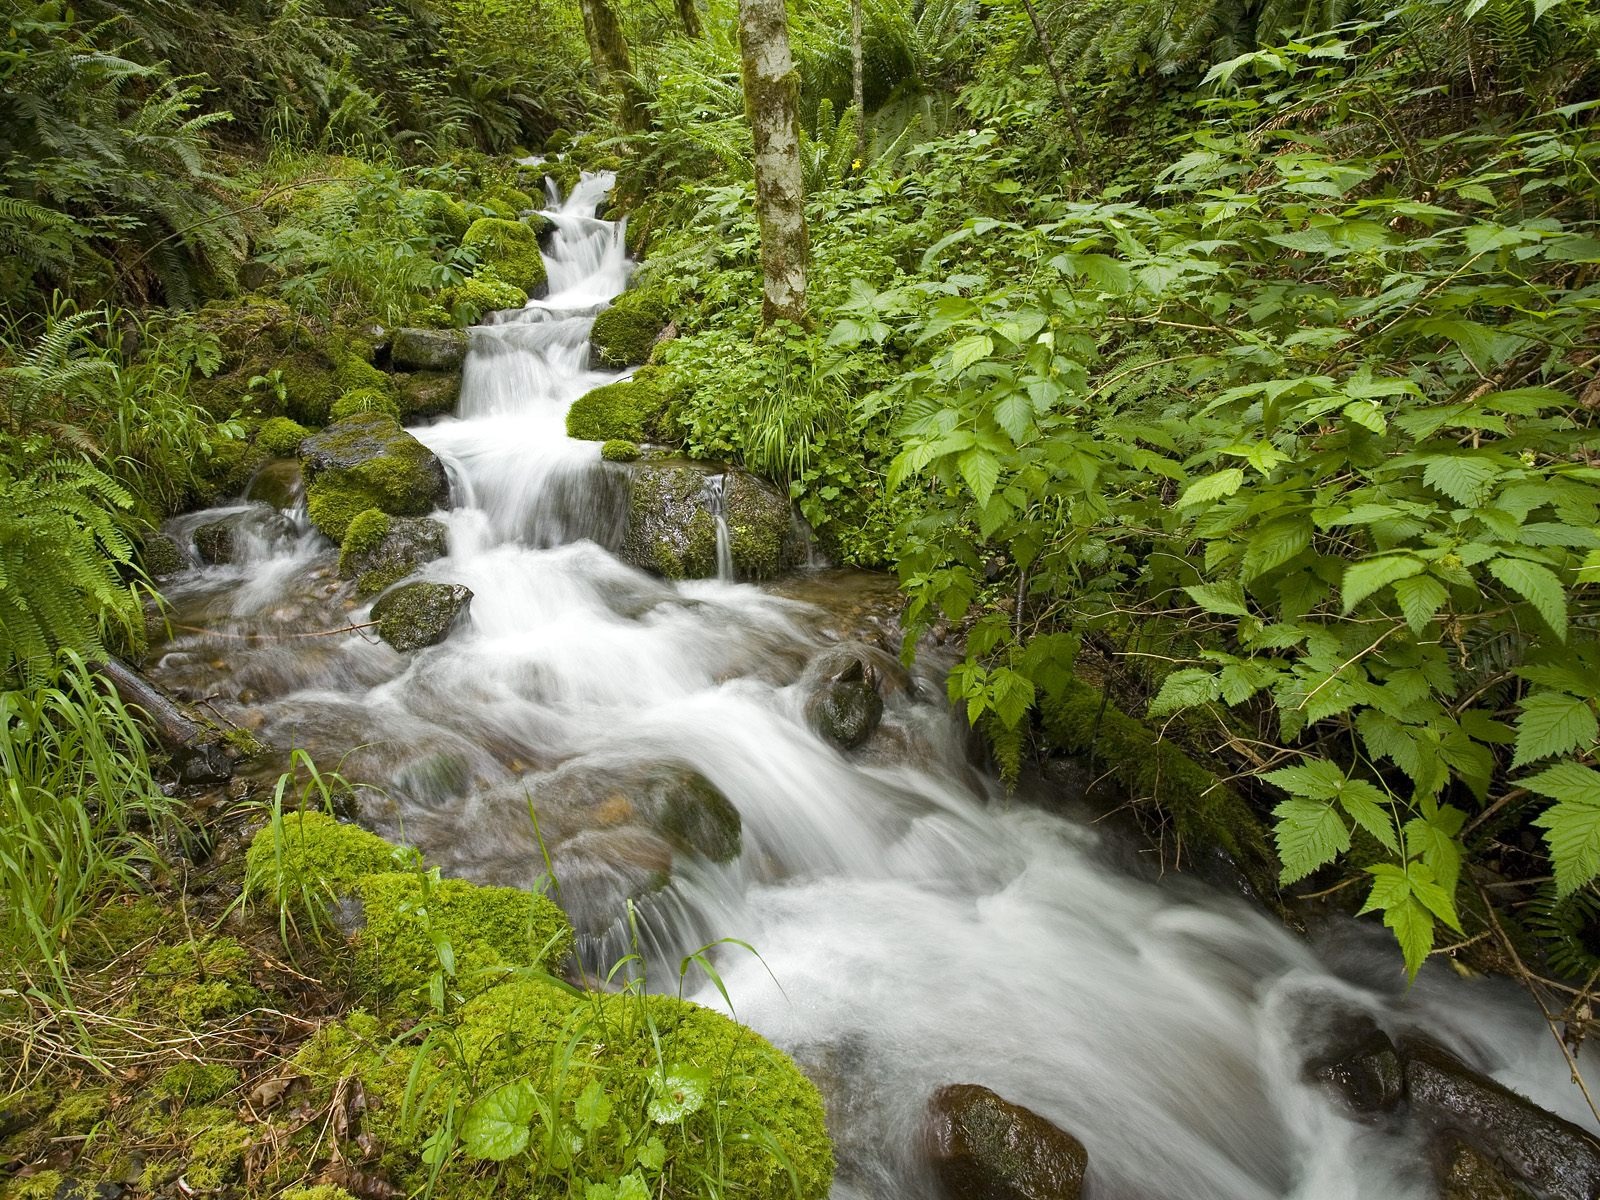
631,410
368,461
624,334
1206,811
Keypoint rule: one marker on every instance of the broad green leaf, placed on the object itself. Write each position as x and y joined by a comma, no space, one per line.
1420,597
652,1155
981,470
1367,807
1413,929
1212,487
1318,779
1363,578
1539,586
1274,544
1467,481
1572,824
496,1124
1014,414
1366,414
1309,835
1553,723
1390,887
593,1107
1226,598
1433,897
682,1092
970,350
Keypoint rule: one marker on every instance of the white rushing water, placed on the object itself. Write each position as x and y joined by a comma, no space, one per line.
915,927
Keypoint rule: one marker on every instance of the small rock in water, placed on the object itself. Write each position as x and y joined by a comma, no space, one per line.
420,614
1464,1174
986,1148
1367,1076
429,349
162,556
1553,1156
847,708
223,541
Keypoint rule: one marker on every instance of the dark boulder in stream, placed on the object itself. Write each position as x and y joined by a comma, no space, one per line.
429,349
1555,1157
1464,1174
394,548
1368,1076
847,708
672,522
225,540
986,1148
420,614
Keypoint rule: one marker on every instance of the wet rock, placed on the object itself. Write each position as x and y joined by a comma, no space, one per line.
276,485
368,461
428,349
1464,1174
404,546
694,814
223,541
1538,1148
986,1148
424,394
672,529
162,556
847,708
1367,1075
420,614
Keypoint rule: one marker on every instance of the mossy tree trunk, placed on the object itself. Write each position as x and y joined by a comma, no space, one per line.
1047,48
771,96
690,16
858,90
608,47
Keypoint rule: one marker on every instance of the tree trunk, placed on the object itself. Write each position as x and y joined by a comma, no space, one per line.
771,97
1062,94
199,755
608,47
690,16
858,81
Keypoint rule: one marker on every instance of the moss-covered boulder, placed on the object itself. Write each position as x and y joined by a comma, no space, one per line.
281,436
619,451
364,400
484,292
684,1095
424,394
624,334
418,615
379,550
428,349
364,462
228,467
511,250
846,708
311,858
633,409
672,527
162,557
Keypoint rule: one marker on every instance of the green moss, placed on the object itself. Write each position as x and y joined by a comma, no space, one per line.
217,1150
1206,811
321,1191
228,469
195,981
484,292
364,400
195,1083
505,196
624,334
632,410
444,212
488,928
41,1186
313,854
310,386
115,929
80,1110
619,450
384,468
510,249
365,534
280,436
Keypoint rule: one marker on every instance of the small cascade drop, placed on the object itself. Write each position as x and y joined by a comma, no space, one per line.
716,500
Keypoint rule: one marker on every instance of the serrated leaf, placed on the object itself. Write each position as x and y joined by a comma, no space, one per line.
1274,544
496,1124
1539,586
1366,414
981,470
652,1155
1014,414
970,350
1366,806
1363,578
1309,835
1226,598
1318,779
1413,929
1572,824
1184,689
1467,481
1212,487
1553,723
1420,597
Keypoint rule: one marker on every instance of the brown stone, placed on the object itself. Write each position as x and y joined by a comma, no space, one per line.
986,1148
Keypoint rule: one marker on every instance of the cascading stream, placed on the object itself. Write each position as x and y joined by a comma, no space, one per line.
915,927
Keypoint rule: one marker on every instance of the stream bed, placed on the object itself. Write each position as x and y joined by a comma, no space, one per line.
916,927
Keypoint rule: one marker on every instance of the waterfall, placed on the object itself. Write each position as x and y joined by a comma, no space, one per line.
716,500
916,926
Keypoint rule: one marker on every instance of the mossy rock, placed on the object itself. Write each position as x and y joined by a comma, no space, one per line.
364,400
723,1102
490,930
366,462
630,410
227,470
511,250
1208,814
624,334
445,212
620,451
484,292
162,557
281,436
417,615
379,550
315,858
424,394
428,349
672,531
